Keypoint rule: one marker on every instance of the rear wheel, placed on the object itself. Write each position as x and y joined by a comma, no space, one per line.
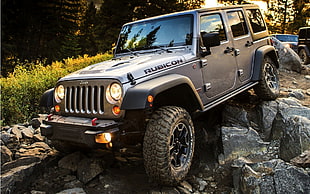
168,145
304,57
268,87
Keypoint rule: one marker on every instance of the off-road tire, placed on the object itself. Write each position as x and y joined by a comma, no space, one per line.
304,57
168,146
268,87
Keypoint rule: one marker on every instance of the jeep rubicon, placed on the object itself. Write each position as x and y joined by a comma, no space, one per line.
166,71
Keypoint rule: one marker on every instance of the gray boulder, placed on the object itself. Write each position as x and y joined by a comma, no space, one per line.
88,169
267,112
287,108
296,138
274,176
241,142
288,58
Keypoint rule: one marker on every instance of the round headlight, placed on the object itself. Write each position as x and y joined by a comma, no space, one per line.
59,93
115,91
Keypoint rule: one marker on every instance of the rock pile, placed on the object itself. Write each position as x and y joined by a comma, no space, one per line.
22,151
258,148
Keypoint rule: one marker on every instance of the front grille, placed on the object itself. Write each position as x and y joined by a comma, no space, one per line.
84,99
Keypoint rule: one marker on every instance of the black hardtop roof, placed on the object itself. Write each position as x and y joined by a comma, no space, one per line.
200,10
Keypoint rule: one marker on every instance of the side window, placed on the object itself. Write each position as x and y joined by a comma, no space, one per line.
302,33
237,23
212,24
256,20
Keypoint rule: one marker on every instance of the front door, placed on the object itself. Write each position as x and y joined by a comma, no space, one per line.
219,67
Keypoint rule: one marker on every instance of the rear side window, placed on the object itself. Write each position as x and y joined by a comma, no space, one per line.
213,23
256,20
237,23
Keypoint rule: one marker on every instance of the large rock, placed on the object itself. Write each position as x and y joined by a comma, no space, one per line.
274,176
288,58
71,161
233,116
88,169
287,108
37,149
6,154
267,112
238,142
296,138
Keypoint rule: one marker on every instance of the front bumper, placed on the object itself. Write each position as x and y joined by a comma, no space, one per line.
78,130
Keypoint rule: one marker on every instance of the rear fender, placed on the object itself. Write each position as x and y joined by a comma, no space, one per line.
260,53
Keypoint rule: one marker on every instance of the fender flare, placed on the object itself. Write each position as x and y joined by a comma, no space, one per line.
304,47
136,97
47,99
259,60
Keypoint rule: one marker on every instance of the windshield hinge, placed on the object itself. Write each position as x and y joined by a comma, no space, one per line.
131,78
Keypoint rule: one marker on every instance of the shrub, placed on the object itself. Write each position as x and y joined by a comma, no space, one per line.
21,90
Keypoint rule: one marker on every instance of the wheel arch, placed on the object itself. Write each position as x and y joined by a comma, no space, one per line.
47,99
260,53
173,89
304,47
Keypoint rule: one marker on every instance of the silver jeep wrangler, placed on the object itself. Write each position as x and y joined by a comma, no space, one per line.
166,71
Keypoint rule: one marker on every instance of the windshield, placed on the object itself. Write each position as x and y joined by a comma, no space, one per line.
167,32
287,38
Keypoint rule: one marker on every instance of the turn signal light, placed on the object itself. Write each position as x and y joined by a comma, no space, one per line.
150,98
103,138
116,110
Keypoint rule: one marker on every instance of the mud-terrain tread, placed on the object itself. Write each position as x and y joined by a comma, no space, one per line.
303,56
156,145
261,89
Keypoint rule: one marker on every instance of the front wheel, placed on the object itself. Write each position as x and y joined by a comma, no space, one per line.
168,146
268,87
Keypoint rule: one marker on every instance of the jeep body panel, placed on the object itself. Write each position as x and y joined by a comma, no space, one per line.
136,97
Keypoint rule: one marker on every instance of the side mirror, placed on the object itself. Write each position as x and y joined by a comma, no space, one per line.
210,39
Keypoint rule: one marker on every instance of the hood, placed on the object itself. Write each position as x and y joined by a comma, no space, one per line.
138,66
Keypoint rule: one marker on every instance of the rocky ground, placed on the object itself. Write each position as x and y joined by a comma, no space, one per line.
248,146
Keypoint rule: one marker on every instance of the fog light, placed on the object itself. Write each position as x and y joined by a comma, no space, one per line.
103,138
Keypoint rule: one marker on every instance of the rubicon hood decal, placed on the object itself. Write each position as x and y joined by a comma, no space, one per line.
163,66
138,66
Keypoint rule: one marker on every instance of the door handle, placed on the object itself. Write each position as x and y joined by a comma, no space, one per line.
248,43
237,52
229,50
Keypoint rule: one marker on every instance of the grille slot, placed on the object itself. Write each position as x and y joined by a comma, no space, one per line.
84,99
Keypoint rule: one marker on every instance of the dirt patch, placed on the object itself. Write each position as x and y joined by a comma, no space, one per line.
291,81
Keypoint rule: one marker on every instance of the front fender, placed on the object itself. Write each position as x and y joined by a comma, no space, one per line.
136,97
47,99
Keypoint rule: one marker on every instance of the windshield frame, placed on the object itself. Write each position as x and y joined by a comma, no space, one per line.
189,41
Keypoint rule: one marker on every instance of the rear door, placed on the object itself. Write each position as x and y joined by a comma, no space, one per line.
242,43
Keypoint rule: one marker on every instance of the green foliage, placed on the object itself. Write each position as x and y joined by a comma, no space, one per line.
21,90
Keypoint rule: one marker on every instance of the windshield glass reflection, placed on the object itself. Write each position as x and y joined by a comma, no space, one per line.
167,32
